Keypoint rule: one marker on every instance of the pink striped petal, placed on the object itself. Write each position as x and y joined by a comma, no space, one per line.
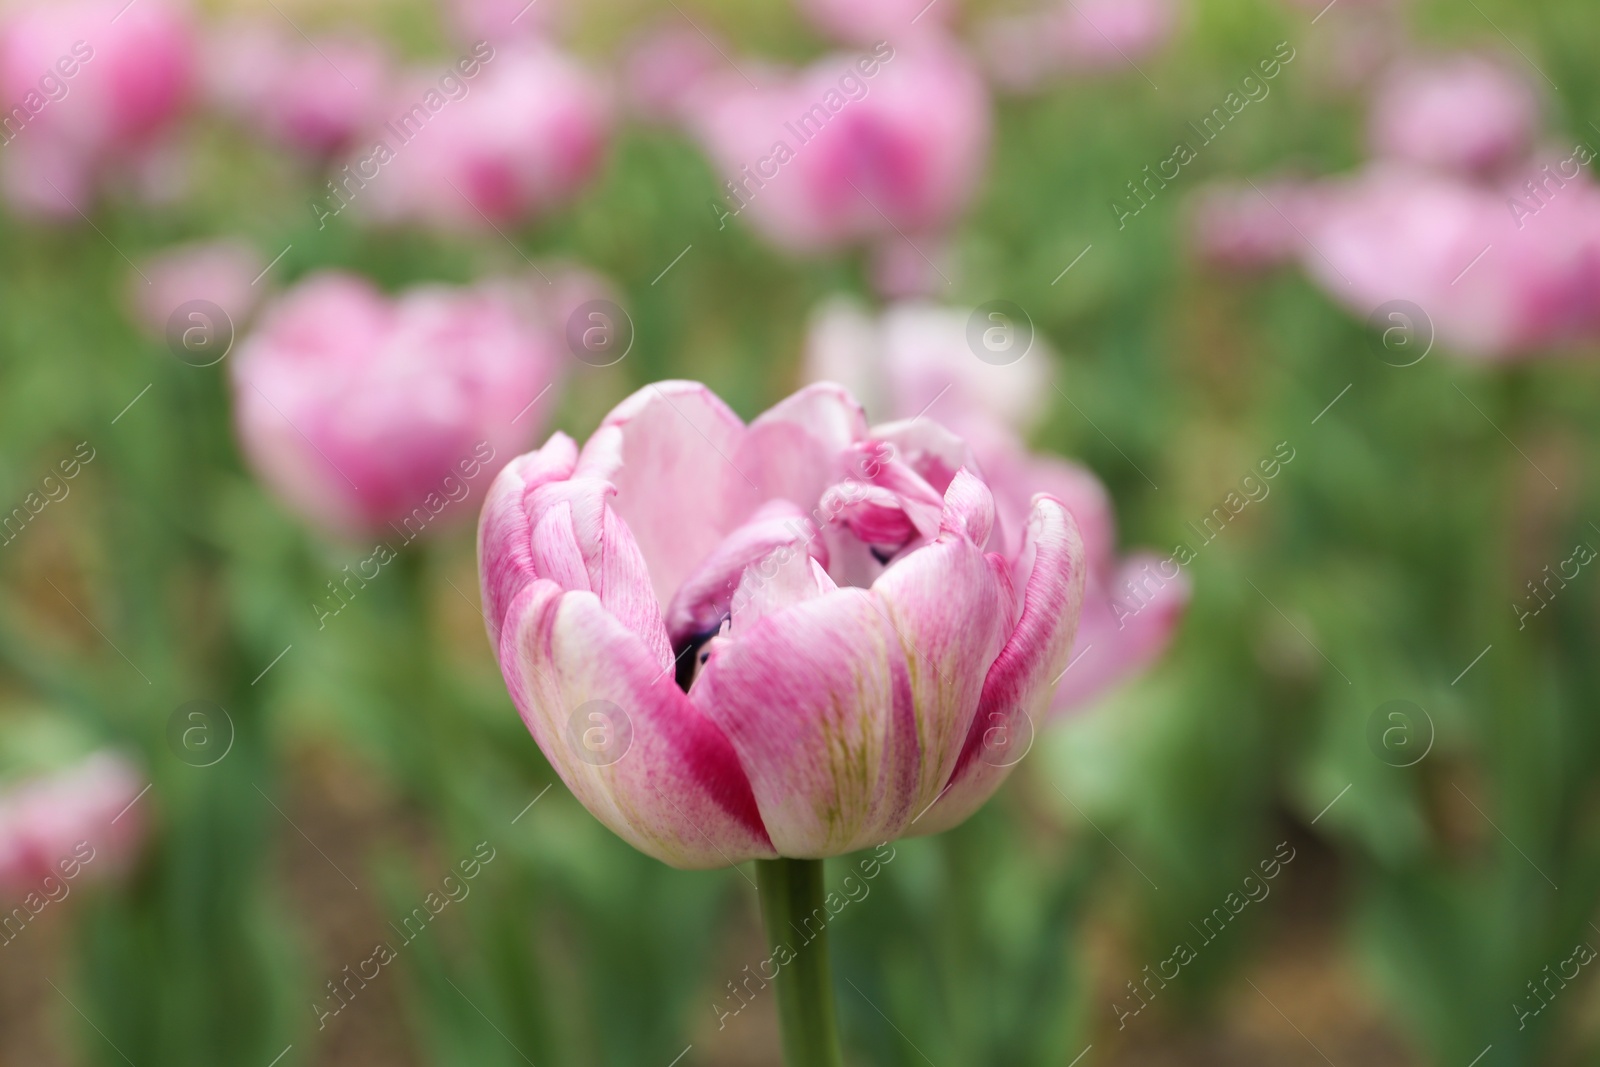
505,561
580,544
1050,571
632,748
816,700
668,449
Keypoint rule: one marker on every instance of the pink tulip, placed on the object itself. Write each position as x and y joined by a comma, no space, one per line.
881,144
82,819
1501,271
314,96
526,132
866,22
1462,112
221,272
915,361
86,88
789,638
363,411
1074,37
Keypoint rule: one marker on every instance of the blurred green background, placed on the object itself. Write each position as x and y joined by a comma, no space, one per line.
380,751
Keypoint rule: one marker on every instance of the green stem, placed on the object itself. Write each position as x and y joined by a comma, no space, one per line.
791,894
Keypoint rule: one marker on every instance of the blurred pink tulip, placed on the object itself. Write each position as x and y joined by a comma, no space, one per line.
87,84
221,272
1463,112
797,637
315,96
866,22
886,143
915,361
361,410
524,134
81,819
1500,271
1073,37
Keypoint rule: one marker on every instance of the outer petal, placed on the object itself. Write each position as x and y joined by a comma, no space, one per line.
627,742
1124,630
816,700
951,611
505,561
580,544
669,450
1017,689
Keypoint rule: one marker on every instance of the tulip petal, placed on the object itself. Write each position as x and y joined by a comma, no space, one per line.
1051,575
668,449
792,451
802,697
608,558
702,602
950,607
505,560
632,748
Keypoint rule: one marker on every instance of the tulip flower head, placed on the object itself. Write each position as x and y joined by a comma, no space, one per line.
363,411
796,637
